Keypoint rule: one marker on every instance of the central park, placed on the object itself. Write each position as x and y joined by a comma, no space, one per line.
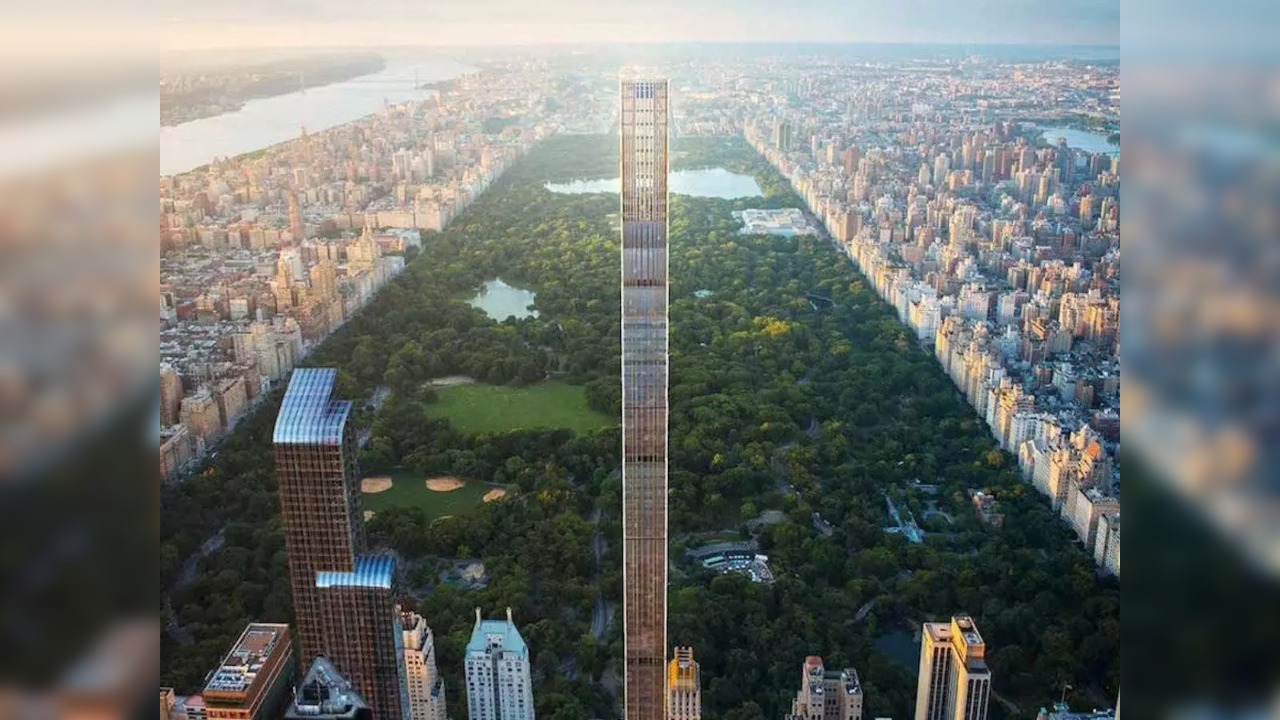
778,409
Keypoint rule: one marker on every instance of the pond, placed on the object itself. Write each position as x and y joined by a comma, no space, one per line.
1093,142
499,301
901,646
710,182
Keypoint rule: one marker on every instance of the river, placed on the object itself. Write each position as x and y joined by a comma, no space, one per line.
268,121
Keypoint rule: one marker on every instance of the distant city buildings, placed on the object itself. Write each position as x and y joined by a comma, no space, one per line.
999,247
684,686
498,681
954,682
266,254
422,677
254,676
827,694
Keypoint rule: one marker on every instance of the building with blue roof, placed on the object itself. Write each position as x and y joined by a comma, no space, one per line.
499,686
343,598
363,634
308,413
371,571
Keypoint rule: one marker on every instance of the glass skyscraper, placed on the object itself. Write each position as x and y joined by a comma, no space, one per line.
342,598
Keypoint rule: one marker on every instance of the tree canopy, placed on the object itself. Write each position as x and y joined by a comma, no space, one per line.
775,405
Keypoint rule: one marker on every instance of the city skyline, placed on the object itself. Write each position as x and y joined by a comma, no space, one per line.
828,216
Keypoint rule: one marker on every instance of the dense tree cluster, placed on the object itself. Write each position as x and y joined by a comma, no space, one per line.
777,403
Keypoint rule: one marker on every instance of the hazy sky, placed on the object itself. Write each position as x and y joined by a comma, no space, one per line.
203,24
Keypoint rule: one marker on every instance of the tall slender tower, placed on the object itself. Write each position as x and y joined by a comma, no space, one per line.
643,121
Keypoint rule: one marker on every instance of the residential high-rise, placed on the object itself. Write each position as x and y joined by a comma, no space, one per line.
422,678
170,395
297,231
319,500
362,632
684,687
954,682
781,133
325,694
343,599
253,677
643,154
827,694
499,686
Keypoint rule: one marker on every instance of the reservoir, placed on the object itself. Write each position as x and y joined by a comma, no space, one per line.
710,182
1092,142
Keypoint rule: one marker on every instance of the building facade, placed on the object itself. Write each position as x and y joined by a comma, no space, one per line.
319,499
499,686
362,633
253,677
343,599
827,694
422,677
644,394
954,682
684,686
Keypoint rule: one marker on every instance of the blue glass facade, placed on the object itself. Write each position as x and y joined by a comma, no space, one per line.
372,571
308,414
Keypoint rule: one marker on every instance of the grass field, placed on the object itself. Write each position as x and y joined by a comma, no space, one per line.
410,490
479,408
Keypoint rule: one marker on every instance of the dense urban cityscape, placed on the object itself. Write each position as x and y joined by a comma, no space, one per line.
406,330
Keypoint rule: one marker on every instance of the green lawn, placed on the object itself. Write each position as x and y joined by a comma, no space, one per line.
478,408
410,490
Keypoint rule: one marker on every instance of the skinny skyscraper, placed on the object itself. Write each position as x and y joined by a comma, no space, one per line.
643,123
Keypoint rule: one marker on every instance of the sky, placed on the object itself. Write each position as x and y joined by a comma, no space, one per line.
186,24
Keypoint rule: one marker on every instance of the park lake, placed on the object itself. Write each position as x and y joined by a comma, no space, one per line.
708,182
1093,142
499,301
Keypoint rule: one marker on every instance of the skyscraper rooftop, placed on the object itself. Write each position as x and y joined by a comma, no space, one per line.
372,571
307,414
488,632
325,693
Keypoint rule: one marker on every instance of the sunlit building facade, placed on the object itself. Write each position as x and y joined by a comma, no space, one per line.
827,694
954,681
253,677
422,677
684,686
643,119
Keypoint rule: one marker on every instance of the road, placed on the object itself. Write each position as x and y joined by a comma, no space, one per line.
603,612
